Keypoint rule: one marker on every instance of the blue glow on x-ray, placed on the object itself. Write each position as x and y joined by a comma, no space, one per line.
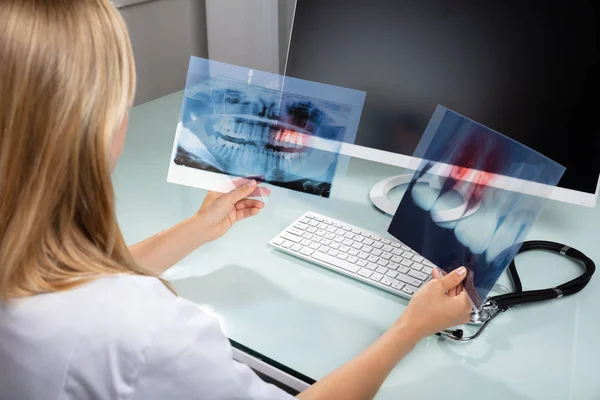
245,122
476,159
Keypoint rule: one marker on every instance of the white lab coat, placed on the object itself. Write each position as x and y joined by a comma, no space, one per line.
123,337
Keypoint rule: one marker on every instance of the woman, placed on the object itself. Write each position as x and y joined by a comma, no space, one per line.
81,315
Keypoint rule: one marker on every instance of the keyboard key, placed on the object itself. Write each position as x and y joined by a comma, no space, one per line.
357,245
373,258
313,223
297,247
406,263
300,225
416,265
397,285
322,225
358,238
321,232
318,218
377,245
317,239
278,241
355,230
381,270
429,263
383,262
408,279
305,220
396,259
386,281
386,256
387,247
330,235
376,252
405,247
349,235
293,238
352,259
363,255
402,270
324,249
305,242
339,239
334,245
354,252
375,238
426,270
307,251
333,252
295,231
409,289
348,242
396,244
314,246
367,249
385,241
342,256
287,244
344,248
397,252
361,263
340,231
365,272
311,229
331,229
307,235
309,215
407,254
337,224
418,258
393,266
326,242
391,274
346,227
376,276
372,266
417,274
368,242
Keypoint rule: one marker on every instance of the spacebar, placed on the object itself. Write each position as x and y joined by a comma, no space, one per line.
335,261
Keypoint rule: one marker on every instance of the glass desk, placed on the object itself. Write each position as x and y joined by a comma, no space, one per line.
313,320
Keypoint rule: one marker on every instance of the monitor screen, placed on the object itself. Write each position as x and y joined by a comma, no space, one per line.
526,69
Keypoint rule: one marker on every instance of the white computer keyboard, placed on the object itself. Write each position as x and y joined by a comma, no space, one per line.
356,252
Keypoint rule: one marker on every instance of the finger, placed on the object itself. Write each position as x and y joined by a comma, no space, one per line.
249,203
452,292
246,213
260,192
435,273
455,277
240,193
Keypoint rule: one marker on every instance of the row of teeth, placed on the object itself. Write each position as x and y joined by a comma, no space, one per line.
260,135
222,144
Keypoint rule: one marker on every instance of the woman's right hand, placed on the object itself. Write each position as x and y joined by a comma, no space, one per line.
438,305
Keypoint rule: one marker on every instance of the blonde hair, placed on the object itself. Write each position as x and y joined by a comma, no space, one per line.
67,81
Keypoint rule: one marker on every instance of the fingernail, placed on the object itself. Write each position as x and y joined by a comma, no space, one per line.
461,271
252,183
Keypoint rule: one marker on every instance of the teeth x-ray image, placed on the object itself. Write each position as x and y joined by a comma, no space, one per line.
488,191
235,121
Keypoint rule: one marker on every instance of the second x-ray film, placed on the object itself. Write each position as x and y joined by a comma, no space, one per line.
472,200
236,121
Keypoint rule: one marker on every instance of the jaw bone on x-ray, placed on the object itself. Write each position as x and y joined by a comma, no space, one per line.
490,189
242,122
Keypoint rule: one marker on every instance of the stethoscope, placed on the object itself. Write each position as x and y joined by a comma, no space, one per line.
496,305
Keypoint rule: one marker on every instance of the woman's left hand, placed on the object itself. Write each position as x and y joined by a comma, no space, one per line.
220,211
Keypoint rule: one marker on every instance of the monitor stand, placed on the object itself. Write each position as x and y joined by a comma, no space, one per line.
379,197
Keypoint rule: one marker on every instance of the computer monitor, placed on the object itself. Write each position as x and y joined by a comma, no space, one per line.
526,69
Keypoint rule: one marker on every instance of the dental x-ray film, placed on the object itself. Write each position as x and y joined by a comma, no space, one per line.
235,121
472,200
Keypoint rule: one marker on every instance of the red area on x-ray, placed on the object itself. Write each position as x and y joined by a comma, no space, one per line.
290,136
